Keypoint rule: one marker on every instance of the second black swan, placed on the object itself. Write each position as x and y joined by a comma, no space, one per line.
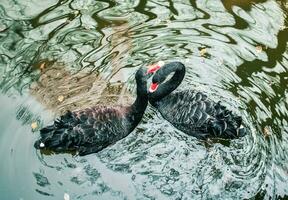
92,129
191,111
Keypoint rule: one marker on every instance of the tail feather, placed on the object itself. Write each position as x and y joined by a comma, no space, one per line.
225,124
56,136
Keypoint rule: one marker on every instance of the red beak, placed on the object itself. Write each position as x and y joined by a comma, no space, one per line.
153,69
153,87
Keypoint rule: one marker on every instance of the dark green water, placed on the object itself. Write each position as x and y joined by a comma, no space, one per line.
58,55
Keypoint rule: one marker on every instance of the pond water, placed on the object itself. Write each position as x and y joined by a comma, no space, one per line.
70,54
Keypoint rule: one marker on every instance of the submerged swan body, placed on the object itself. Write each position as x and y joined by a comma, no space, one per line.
92,129
191,111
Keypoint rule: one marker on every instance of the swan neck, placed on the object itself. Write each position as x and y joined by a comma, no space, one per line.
139,106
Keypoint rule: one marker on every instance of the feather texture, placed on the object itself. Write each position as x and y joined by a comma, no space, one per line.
87,131
193,113
92,129
190,111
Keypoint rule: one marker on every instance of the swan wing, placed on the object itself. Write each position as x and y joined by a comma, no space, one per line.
87,131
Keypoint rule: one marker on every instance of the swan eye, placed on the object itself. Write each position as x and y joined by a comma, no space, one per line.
153,87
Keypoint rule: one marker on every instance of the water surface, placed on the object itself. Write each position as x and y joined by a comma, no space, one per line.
71,54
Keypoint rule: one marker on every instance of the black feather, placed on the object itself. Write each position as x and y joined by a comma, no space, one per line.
191,111
92,129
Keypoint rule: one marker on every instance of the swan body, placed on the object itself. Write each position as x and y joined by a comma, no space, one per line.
92,129
191,111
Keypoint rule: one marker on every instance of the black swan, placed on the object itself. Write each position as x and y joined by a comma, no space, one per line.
92,129
191,111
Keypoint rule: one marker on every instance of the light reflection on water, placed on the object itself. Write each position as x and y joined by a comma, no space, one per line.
72,54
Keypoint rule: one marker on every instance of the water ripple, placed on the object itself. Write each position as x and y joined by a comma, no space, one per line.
86,52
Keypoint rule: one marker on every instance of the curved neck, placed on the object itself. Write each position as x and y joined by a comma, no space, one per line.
141,100
137,109
166,88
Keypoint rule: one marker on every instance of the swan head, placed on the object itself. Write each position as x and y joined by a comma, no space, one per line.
144,73
157,79
160,76
151,70
147,72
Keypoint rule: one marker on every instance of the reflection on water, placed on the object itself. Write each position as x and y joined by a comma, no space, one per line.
69,54
60,90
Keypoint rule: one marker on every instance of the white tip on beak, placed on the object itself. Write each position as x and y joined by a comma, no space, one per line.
161,63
